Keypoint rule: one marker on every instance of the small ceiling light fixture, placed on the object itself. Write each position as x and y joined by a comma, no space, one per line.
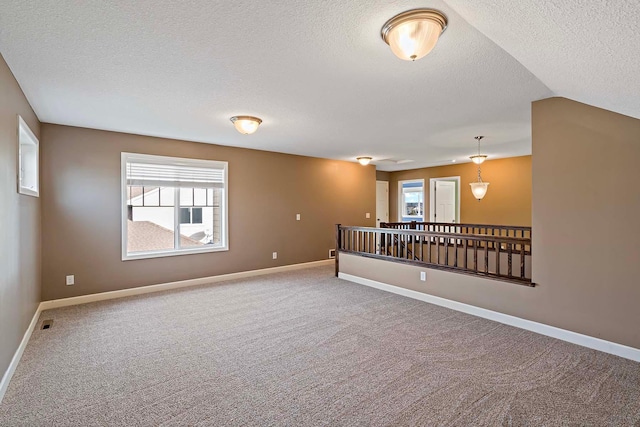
364,161
478,158
479,188
246,125
414,33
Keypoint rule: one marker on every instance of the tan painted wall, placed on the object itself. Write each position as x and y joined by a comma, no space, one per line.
586,210
81,210
586,233
383,176
508,200
19,225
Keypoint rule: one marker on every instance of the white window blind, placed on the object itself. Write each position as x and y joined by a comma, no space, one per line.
160,172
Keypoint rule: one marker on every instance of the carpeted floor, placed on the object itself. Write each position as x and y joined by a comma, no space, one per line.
304,348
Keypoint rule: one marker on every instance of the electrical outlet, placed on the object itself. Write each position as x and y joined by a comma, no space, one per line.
332,253
71,280
297,217
423,276
367,215
275,255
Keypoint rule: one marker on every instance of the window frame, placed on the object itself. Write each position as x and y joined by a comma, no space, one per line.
402,201
28,153
179,161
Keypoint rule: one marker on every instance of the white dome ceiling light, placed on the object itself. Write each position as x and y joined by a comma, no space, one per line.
246,125
364,161
413,34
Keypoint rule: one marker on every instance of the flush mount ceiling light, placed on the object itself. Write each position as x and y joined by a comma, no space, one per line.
478,158
479,188
246,125
414,33
364,161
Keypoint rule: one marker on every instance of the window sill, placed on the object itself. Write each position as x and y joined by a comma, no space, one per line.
168,253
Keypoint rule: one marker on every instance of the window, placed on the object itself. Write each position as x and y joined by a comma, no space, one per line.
28,160
172,206
190,215
411,200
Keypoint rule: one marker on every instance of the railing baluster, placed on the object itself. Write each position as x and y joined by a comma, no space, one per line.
455,245
446,251
465,253
497,251
510,260
486,256
475,256
522,272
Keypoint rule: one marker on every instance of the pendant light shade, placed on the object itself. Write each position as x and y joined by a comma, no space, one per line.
479,189
246,125
478,158
413,34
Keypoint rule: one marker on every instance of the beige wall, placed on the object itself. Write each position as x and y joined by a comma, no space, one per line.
586,233
508,200
586,206
19,225
383,176
82,212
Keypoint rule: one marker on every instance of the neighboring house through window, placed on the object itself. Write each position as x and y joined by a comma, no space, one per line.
172,206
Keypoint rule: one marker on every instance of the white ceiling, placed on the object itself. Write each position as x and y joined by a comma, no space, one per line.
318,73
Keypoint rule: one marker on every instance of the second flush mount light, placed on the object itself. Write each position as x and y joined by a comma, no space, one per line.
246,125
414,33
364,161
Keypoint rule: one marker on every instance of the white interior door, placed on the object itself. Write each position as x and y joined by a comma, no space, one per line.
382,202
445,201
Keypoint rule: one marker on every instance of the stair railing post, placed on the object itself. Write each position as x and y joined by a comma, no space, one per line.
338,246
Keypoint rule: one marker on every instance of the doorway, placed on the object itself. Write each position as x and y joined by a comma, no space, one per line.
382,202
444,200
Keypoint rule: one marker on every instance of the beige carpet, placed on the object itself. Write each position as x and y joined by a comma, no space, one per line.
304,348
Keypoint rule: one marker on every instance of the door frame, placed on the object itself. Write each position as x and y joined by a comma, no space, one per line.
432,196
387,191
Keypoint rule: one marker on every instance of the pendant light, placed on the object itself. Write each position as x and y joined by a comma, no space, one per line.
479,188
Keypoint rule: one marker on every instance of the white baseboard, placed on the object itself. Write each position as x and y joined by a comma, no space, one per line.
4,384
540,328
47,305
84,299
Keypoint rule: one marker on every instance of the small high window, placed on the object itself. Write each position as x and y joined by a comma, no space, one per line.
172,206
28,160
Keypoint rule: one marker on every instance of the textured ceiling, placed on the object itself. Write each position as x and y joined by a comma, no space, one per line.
317,73
586,50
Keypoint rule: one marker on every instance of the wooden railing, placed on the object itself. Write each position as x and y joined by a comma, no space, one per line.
493,256
445,227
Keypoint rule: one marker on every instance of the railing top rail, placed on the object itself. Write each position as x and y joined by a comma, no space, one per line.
483,237
456,224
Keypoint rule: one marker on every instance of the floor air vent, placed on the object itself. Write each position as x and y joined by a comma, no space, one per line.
47,324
